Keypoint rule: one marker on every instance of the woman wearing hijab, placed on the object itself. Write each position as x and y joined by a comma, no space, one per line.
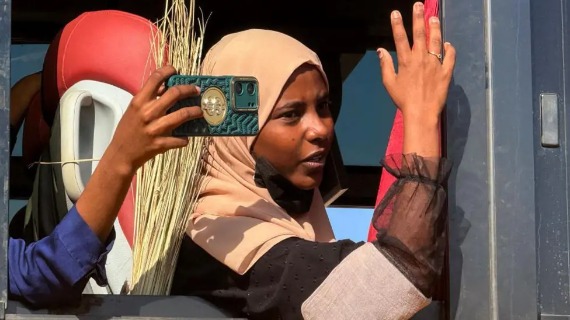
260,244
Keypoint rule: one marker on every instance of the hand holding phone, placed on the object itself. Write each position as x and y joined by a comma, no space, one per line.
229,103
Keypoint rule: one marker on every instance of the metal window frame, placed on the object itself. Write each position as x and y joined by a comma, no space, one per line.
550,54
5,40
490,138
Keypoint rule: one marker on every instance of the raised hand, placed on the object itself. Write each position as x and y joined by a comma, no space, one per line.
419,88
145,129
143,132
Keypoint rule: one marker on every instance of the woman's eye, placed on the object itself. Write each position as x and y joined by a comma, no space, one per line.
324,106
290,114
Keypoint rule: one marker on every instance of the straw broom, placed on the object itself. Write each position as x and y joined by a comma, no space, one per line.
168,185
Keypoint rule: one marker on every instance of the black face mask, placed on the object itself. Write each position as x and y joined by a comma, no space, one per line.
294,200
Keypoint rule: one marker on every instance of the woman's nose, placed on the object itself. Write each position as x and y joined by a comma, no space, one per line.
317,128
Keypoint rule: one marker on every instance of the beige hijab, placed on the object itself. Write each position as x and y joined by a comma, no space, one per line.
235,221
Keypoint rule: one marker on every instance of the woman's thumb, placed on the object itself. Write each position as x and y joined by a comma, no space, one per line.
386,67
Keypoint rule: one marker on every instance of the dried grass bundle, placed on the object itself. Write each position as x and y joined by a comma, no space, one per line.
168,185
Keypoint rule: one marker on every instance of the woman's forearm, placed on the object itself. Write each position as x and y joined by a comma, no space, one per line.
101,200
422,135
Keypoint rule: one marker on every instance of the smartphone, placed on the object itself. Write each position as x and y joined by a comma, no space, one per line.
230,105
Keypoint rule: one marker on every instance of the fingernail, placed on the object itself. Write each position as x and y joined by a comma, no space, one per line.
434,20
379,52
396,14
199,90
418,6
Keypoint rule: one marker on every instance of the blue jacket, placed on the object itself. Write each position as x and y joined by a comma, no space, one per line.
54,270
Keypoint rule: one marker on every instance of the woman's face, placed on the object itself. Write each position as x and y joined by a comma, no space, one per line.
298,134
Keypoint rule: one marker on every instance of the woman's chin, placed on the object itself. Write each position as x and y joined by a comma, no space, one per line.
308,182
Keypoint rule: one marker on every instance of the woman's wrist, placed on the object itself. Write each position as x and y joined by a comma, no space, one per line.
422,135
114,163
421,119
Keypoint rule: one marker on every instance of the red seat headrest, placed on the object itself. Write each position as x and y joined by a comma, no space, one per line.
109,46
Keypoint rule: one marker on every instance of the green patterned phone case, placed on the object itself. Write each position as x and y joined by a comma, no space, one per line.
229,104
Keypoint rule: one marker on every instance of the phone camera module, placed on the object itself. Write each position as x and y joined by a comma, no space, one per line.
250,88
238,88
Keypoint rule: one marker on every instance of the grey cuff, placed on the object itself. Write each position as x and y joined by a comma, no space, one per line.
365,285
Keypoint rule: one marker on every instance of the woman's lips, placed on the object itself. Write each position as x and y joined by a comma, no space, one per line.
315,160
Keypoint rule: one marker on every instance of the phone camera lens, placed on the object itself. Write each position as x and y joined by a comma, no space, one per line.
238,87
250,88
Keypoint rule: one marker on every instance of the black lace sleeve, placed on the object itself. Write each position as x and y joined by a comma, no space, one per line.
414,241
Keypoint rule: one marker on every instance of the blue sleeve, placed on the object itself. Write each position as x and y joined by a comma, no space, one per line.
54,270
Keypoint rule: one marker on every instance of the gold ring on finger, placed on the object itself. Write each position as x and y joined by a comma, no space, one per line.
437,55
